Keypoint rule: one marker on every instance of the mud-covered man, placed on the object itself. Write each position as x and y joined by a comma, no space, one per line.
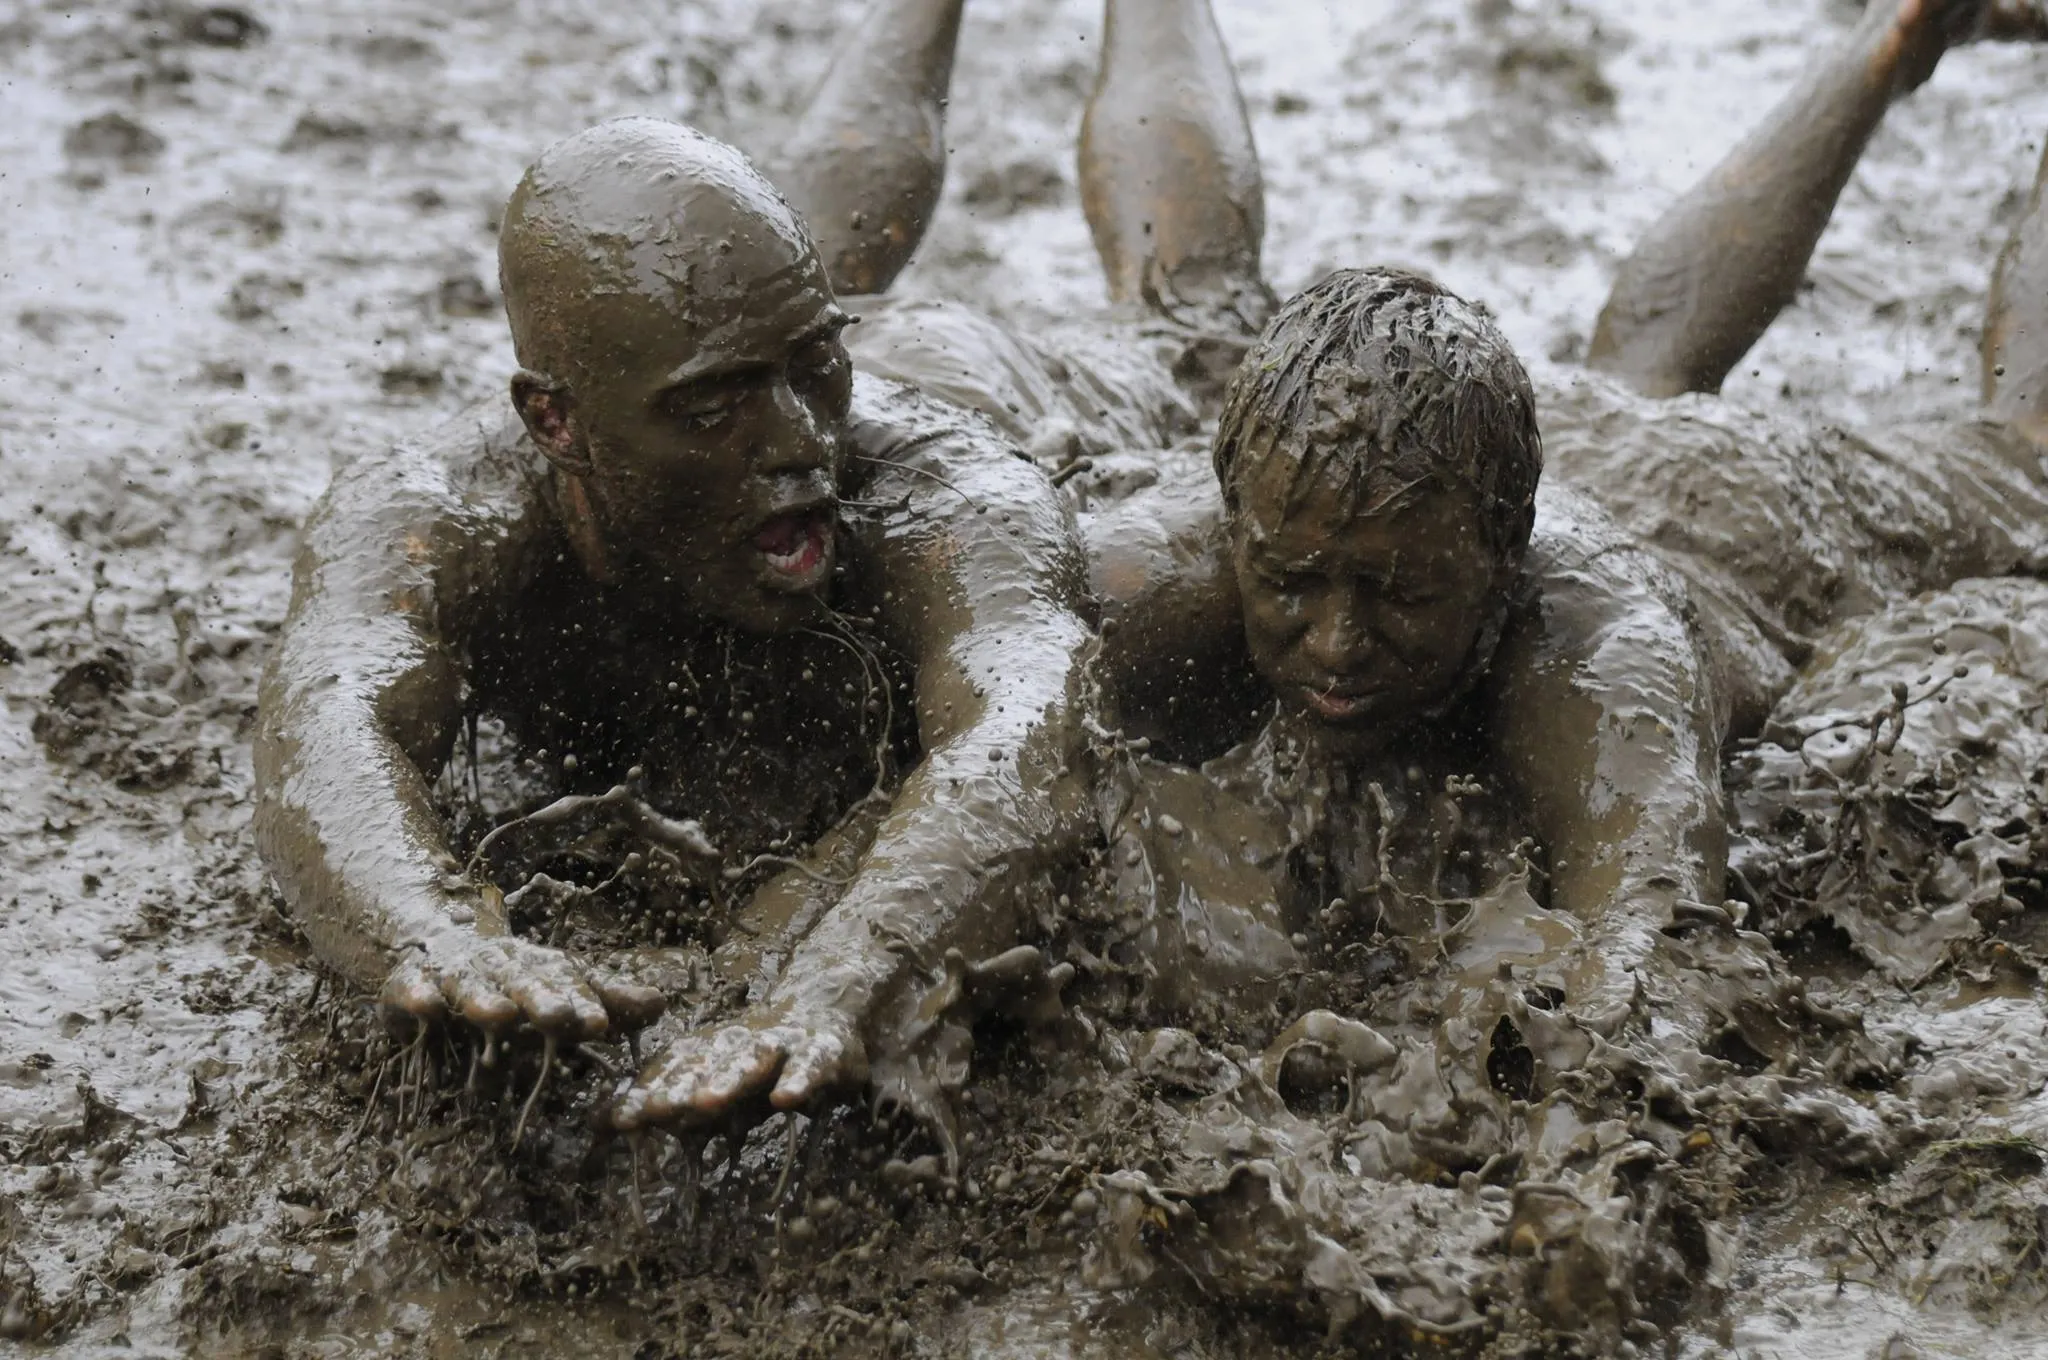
702,559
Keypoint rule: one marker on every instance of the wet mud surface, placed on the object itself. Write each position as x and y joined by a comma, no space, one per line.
243,245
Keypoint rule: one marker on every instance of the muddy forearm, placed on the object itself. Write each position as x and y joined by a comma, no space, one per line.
984,578
1627,847
997,805
344,817
359,702
1606,721
1710,276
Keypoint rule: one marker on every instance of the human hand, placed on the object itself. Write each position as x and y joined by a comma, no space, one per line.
793,1052
499,982
1698,975
1020,983
788,1055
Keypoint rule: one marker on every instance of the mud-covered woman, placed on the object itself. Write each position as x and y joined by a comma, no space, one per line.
1670,593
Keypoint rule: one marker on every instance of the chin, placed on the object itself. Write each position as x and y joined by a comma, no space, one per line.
1352,736
1367,732
770,611
761,601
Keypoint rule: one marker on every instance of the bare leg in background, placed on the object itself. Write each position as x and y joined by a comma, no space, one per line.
868,157
1169,177
2016,322
1709,277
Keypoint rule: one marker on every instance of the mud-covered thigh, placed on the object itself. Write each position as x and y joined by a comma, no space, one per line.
1801,525
1060,392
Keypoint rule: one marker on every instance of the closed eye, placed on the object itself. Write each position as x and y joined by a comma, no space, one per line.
702,405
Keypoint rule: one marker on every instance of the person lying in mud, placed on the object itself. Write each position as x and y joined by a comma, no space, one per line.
1379,566
702,564
1385,893
1589,668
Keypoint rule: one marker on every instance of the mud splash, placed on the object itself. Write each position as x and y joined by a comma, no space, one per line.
246,243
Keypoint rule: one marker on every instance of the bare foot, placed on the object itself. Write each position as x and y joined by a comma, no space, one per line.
497,983
789,1057
2014,21
1919,31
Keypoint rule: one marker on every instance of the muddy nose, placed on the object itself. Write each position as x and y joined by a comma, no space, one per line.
795,439
801,485
1338,641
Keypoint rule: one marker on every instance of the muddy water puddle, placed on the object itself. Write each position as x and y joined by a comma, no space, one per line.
239,246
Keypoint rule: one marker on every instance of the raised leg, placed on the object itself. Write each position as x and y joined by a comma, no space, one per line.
1169,177
868,157
1709,277
2016,322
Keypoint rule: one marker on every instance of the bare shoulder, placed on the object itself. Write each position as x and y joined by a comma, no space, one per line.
425,517
941,506
894,422
1166,534
476,462
1578,540
1080,386
942,465
1587,582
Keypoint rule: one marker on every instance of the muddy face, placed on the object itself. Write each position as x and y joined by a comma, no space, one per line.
722,486
1361,621
683,370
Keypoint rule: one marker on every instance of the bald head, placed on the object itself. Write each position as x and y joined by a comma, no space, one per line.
641,234
681,367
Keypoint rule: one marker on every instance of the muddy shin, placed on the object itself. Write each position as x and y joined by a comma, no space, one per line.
2016,322
1710,276
1169,177
868,157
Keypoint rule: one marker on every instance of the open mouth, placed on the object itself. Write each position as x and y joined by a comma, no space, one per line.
1337,702
795,545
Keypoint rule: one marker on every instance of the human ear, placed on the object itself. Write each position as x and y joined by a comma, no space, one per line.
549,411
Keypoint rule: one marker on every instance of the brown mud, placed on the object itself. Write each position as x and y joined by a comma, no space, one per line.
242,245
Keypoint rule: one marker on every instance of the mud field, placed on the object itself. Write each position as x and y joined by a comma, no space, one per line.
240,246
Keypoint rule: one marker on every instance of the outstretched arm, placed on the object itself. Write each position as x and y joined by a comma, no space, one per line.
358,704
980,572
1710,276
1604,715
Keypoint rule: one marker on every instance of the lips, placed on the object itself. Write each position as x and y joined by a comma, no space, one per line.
794,545
1336,703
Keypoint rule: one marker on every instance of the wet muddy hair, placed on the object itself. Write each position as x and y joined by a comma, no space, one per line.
1384,382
